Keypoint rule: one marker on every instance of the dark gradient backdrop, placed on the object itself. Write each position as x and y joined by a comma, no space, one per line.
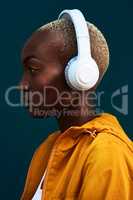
20,134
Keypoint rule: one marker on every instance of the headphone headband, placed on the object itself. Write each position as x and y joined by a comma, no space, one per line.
81,29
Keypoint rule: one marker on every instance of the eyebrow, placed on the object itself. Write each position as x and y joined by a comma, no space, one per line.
27,58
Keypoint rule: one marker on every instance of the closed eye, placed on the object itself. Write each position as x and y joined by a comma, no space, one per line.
33,69
32,64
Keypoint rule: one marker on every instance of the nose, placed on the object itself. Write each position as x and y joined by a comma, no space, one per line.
23,85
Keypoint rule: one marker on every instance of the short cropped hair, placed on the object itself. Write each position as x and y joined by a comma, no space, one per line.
99,47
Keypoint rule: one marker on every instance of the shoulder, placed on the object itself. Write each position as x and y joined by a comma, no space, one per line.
105,151
107,156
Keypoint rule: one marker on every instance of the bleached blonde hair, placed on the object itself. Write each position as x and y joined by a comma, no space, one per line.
99,47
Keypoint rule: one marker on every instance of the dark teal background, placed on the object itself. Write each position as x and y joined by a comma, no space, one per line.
20,134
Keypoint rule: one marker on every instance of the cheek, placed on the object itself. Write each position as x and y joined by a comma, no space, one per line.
43,90
46,77
38,82
49,84
43,81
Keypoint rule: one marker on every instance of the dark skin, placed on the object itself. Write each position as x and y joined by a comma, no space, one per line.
44,61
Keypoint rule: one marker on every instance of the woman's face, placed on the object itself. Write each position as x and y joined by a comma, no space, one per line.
43,72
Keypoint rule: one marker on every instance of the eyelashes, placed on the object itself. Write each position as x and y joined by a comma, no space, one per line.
33,70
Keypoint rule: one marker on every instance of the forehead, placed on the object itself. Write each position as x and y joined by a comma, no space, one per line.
43,42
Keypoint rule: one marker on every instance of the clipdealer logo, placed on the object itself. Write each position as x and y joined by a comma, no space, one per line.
118,99
123,94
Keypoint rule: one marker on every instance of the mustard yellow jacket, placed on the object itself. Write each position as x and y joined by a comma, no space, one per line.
89,162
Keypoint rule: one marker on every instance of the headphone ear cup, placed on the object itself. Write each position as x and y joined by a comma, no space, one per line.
81,74
87,74
69,64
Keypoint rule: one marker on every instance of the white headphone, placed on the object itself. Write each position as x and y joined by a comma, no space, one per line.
81,72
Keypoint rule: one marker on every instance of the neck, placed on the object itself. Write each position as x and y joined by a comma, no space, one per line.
77,118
